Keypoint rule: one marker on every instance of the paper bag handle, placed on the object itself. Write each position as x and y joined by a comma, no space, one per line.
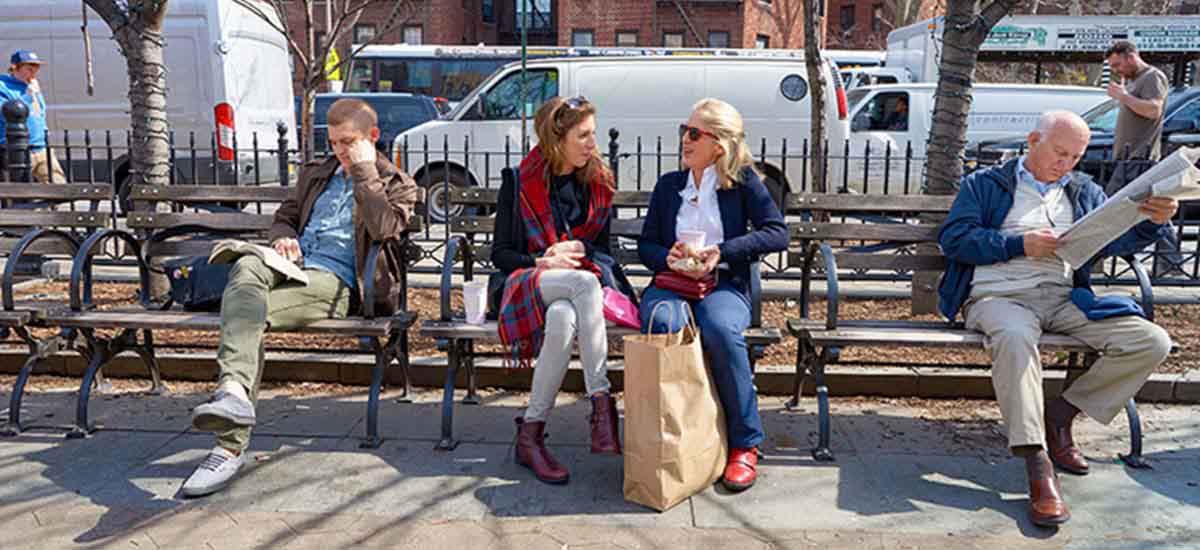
691,318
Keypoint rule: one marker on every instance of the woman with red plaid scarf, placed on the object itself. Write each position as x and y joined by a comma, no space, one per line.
722,197
555,261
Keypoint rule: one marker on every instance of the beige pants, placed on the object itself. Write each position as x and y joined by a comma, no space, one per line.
45,168
1130,348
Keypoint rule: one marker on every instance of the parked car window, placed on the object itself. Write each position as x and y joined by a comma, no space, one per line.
887,112
1190,112
503,100
1103,117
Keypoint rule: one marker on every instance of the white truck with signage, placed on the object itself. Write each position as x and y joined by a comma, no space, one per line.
918,47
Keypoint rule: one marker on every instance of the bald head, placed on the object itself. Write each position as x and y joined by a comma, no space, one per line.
1056,145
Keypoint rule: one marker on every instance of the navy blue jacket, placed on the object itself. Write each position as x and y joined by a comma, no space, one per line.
746,204
971,234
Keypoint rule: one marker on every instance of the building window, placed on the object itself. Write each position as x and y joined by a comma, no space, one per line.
488,9
718,39
583,38
847,16
877,18
538,14
364,33
762,41
414,35
319,40
627,39
672,40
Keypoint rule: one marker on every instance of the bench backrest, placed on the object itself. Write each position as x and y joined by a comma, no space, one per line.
867,229
243,212
27,206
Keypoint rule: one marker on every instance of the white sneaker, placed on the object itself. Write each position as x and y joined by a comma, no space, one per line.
214,473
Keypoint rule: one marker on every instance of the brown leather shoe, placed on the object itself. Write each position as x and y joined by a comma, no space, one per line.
1061,447
531,453
1046,505
605,437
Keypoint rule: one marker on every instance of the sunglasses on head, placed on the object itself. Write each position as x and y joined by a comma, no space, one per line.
572,103
693,133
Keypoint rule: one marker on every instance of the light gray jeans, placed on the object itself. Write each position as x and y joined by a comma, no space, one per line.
574,306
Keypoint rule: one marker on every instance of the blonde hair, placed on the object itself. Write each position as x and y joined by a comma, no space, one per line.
553,121
723,120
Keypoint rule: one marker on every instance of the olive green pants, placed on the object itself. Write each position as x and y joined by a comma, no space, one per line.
257,298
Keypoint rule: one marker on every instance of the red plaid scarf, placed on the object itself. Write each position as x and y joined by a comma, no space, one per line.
522,312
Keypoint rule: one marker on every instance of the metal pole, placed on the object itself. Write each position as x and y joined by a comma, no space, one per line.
524,77
16,141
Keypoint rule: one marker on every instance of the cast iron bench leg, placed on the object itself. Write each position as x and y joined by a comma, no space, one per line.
468,359
372,440
453,357
822,452
1134,458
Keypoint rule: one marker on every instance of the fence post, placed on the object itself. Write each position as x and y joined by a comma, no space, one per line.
281,129
614,161
16,135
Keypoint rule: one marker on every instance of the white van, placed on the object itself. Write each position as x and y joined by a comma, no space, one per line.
874,76
878,119
644,98
220,58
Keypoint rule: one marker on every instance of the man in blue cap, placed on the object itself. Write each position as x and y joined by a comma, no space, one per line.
21,83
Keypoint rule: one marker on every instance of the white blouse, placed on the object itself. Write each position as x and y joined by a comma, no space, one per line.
700,211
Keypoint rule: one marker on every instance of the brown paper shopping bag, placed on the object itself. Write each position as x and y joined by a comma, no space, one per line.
674,426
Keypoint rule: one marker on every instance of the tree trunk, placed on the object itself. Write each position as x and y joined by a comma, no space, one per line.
816,78
306,120
964,34
150,140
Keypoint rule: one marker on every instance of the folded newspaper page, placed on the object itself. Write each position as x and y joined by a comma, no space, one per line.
1175,176
227,251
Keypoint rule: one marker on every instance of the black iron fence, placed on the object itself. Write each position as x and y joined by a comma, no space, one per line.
787,166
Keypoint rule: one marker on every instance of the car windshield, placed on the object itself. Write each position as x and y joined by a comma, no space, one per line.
854,97
1103,117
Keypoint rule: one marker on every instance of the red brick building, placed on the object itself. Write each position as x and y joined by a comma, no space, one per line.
865,24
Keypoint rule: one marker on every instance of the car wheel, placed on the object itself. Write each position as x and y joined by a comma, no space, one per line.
437,201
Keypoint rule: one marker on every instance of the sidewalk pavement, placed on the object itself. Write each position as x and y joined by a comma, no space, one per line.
909,474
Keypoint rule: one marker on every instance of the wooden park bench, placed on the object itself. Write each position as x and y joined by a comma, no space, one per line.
210,213
467,243
36,220
880,232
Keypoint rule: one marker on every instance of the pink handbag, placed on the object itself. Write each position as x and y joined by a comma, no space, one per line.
619,309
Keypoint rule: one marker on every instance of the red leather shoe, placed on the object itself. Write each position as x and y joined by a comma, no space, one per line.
741,470
531,453
603,420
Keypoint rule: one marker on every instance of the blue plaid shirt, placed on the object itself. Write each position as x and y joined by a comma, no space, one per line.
1026,177
328,239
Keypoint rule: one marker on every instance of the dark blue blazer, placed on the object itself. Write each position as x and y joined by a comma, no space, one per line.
747,205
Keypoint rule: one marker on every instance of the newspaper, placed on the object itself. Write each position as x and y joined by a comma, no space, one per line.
1175,176
227,251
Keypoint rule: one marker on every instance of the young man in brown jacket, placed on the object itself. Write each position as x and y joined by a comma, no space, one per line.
340,207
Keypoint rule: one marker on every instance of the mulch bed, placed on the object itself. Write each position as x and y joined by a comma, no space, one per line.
1177,319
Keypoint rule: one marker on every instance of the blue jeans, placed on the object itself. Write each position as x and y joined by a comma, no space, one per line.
722,318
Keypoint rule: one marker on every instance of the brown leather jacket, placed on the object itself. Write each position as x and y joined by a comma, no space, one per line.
384,198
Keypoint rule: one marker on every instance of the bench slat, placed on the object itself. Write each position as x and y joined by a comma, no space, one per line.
892,232
912,337
43,246
489,331
183,320
869,203
622,227
478,196
74,191
881,260
210,193
45,218
240,221
15,318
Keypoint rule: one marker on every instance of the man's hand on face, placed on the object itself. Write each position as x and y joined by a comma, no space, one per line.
1040,243
361,151
1160,209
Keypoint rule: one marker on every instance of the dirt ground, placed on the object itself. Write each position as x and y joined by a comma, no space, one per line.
1179,320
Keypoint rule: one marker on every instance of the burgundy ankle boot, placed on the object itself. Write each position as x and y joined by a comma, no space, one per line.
531,453
605,437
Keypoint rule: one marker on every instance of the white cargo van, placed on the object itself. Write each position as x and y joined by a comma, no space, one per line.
643,98
879,119
222,61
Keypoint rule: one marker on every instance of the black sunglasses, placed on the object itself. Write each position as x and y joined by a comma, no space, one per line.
693,133
577,102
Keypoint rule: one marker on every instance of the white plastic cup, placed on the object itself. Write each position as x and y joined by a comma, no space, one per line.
475,301
694,239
